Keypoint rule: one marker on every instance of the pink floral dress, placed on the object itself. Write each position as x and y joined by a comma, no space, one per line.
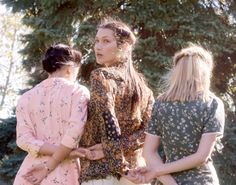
54,112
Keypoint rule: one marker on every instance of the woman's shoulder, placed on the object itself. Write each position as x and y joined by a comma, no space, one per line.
214,103
106,73
25,97
71,86
81,89
215,98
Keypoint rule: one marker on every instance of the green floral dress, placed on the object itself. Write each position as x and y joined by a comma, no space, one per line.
180,126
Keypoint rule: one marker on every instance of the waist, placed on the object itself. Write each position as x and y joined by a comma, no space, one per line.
100,169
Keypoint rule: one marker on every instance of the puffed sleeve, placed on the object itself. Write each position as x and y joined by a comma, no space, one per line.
154,125
136,140
26,136
78,117
104,98
214,117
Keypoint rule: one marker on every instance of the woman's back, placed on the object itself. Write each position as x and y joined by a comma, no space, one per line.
181,125
112,98
45,114
49,107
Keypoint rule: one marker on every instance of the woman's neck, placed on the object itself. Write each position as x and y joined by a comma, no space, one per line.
58,74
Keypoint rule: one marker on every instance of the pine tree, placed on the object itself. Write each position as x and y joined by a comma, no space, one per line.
163,27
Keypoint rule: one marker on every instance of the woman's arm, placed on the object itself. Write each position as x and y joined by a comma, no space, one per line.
26,138
213,128
151,145
47,149
73,133
134,141
104,102
69,141
25,130
153,160
204,151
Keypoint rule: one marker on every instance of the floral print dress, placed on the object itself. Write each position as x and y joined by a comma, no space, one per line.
110,123
53,112
180,126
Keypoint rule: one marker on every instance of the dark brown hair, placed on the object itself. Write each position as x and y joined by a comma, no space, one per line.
136,81
60,55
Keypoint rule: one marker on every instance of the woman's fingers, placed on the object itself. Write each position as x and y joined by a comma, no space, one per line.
31,179
81,150
76,153
142,170
35,174
92,153
96,147
30,170
95,155
135,178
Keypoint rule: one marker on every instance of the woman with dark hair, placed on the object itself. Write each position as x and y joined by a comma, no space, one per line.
119,110
50,120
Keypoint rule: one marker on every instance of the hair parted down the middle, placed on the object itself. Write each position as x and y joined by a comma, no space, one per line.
135,80
190,76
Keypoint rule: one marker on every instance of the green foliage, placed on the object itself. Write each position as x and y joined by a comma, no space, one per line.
226,160
7,135
163,27
10,155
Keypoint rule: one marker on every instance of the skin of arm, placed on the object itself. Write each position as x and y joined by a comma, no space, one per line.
153,160
47,149
205,149
212,130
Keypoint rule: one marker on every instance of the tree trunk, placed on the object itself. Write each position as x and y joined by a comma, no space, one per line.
5,88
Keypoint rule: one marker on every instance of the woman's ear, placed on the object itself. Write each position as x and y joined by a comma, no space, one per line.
67,70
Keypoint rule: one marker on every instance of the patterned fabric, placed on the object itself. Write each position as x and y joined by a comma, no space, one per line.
181,126
110,123
109,180
53,112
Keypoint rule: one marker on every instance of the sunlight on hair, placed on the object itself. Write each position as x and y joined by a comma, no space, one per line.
190,76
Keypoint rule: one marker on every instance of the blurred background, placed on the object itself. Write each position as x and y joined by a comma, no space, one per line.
28,27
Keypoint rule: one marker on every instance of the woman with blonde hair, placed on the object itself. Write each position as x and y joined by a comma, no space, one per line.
118,111
188,119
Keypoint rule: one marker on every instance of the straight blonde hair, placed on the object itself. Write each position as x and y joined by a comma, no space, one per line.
190,76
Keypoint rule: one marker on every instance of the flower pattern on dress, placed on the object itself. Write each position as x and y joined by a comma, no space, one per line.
180,126
53,112
110,123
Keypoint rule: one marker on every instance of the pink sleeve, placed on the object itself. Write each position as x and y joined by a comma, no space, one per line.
77,119
25,131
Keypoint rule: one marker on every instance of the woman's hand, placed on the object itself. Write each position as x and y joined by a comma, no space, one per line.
36,174
95,152
134,176
77,153
96,147
141,175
